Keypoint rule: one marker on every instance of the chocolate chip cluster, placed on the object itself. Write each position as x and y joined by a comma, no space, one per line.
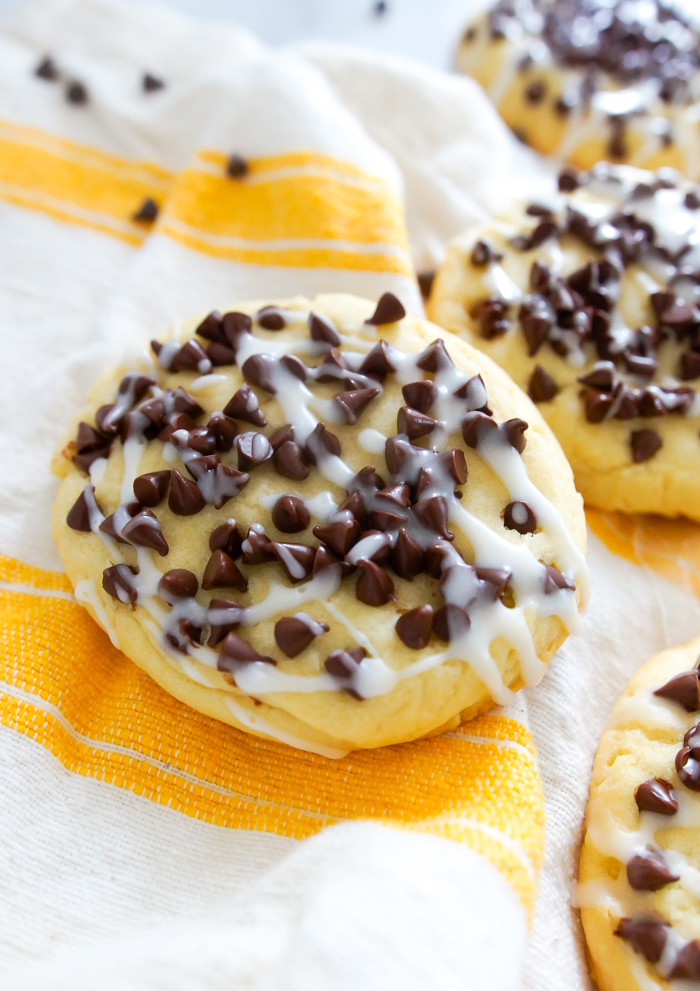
648,45
576,312
374,529
648,871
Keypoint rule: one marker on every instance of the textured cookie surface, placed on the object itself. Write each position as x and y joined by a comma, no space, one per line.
284,524
590,302
590,80
639,887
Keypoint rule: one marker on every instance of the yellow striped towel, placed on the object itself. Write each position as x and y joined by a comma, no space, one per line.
319,208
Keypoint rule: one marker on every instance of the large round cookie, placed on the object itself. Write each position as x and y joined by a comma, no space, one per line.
590,302
344,570
639,887
592,80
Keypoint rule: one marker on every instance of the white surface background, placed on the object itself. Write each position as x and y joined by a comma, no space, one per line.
427,30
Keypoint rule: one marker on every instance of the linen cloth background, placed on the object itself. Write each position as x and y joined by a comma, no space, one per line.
99,883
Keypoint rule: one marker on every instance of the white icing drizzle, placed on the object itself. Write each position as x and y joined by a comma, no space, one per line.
371,440
97,470
206,381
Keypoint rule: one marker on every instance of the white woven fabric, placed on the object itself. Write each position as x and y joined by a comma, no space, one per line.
102,888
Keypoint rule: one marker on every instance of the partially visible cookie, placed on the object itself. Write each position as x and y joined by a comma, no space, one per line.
639,883
316,522
592,80
590,300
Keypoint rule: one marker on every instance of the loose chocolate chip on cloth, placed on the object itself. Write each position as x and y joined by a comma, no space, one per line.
592,80
600,323
637,889
426,561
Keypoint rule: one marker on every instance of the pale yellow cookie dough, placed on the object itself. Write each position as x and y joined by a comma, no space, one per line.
640,743
668,482
573,111
324,720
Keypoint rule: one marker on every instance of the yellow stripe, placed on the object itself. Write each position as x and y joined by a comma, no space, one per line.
301,209
63,684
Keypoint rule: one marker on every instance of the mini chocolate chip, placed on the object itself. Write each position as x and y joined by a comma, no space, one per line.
397,492
117,582
535,326
407,556
692,200
425,283
536,91
476,427
76,93
179,583
236,325
534,238
258,369
202,440
568,181
281,436
656,795
690,366
147,212
353,403
243,405
236,167
293,635
355,505
377,363
183,402
295,366
222,572
220,354
340,536
88,439
290,514
219,630
107,526
78,517
597,405
514,432
644,444
325,558
104,424
297,560
388,310
432,513
190,356
322,329
414,424
420,395
492,314
198,466
151,83
473,391
646,936
638,364
47,69
455,463
483,254
271,318
228,538
289,462
683,689
435,357
434,557
555,581
374,587
495,581
687,963
150,489
185,499
222,430
253,449
321,441
649,871
212,328
235,651
541,388
343,664
369,477
450,622
518,516
333,367
414,627
144,530
257,548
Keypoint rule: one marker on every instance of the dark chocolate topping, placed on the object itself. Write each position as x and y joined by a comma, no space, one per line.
340,535
222,572
683,689
656,795
243,405
414,627
644,444
271,318
388,310
413,423
293,635
228,538
150,489
645,936
407,556
649,871
450,622
687,963
253,449
78,517
374,587
322,329
420,395
518,516
290,515
289,461
297,560
541,387
117,582
353,403
185,499
179,583
237,651
144,530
